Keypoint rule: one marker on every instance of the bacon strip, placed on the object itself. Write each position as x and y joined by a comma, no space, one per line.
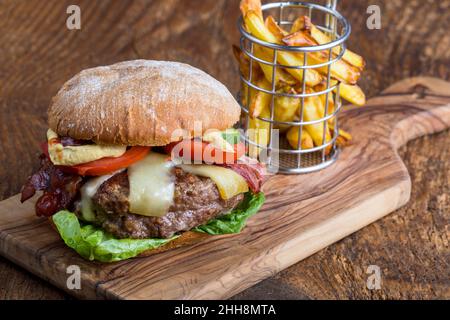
252,171
60,188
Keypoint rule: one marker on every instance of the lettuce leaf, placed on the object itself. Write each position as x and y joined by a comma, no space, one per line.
234,221
232,136
93,243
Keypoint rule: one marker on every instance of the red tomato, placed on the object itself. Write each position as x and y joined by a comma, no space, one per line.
197,151
110,164
105,165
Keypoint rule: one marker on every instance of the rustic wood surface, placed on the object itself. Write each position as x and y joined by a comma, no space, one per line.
302,214
39,54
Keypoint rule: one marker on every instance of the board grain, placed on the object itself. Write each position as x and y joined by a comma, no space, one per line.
302,215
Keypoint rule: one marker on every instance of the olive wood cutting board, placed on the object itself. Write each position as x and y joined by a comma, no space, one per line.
302,214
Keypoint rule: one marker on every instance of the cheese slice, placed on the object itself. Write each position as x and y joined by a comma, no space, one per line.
73,155
152,185
215,138
88,190
228,182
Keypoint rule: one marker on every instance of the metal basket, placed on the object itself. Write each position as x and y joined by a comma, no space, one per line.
277,154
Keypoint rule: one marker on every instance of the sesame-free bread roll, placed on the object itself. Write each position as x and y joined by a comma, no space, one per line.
141,102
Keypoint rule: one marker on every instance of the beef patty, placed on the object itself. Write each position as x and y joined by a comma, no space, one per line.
196,201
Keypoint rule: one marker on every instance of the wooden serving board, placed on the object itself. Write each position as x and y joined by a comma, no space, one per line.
302,215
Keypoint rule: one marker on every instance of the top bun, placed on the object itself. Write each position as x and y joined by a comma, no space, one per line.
141,102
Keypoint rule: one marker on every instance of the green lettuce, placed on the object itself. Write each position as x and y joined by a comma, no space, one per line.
232,136
234,221
93,243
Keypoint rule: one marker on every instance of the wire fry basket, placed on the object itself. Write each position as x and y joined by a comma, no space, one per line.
264,135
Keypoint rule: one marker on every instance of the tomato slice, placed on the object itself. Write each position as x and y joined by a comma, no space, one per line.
110,164
104,165
197,151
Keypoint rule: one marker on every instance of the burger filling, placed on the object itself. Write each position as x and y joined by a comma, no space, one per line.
138,193
196,201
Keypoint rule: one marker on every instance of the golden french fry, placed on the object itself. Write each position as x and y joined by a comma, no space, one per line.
257,27
353,94
301,23
311,112
342,142
344,138
339,70
273,27
261,100
323,97
258,133
299,38
285,108
292,138
304,23
280,74
244,64
251,5
350,93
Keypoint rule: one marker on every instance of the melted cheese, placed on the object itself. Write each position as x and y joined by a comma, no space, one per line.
73,155
215,138
87,191
228,182
152,186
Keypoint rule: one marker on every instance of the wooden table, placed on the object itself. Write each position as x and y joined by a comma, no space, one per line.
411,246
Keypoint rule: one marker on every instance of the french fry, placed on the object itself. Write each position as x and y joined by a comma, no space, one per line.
304,23
311,112
257,27
292,138
299,38
285,108
273,27
251,5
301,23
350,93
323,97
258,132
244,64
353,94
339,70
344,138
244,67
280,74
262,100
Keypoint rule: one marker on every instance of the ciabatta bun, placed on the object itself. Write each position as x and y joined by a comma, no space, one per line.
141,102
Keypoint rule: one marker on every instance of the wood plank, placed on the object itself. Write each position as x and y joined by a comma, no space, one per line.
303,214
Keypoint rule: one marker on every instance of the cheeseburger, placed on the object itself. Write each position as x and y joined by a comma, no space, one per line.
140,158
